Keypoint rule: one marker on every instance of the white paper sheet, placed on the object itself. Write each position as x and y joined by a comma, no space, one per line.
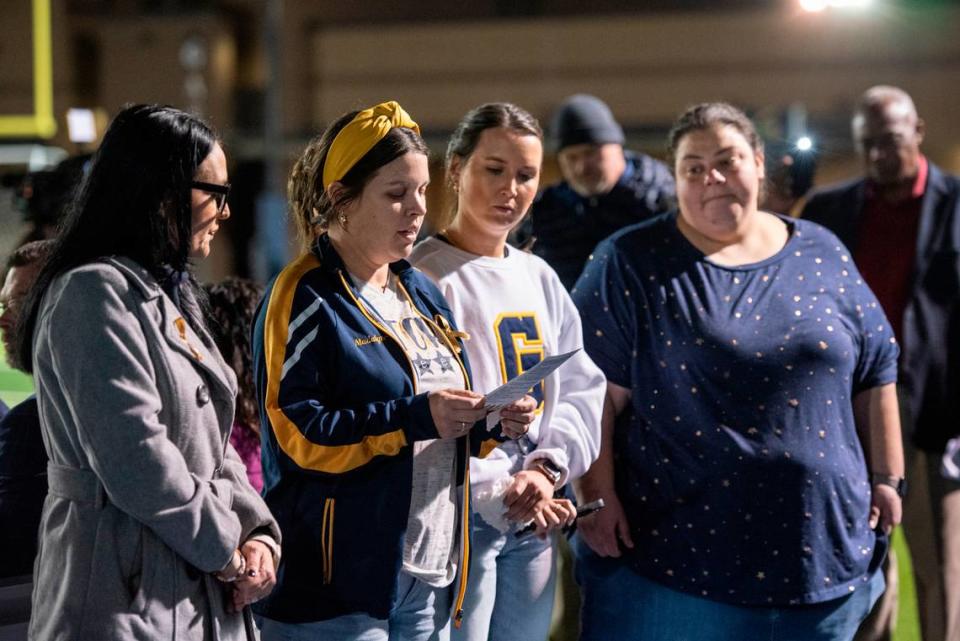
517,387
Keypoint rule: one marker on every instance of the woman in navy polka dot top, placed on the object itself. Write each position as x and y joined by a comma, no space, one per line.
751,452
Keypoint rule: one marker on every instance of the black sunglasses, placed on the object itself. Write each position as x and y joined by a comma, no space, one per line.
219,192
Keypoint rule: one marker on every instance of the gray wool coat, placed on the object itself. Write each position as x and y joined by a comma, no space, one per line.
146,497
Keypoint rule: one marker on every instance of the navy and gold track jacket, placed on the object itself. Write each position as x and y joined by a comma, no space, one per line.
340,407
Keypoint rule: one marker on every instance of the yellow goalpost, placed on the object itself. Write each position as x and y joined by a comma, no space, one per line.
41,123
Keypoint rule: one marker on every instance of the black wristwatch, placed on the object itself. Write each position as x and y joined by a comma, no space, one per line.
898,483
549,469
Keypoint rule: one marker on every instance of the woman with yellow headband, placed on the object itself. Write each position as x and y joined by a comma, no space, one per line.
368,417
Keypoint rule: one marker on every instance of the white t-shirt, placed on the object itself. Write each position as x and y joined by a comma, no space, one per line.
430,546
517,312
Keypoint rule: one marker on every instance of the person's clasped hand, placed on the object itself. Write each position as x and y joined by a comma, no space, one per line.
530,499
258,577
552,514
886,508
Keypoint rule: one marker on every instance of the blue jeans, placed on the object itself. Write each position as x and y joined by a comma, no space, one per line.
422,613
511,586
620,604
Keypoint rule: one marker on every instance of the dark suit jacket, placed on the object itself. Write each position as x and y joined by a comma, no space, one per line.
930,360
23,486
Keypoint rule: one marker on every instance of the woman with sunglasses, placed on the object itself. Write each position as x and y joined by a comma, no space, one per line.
204,227
150,528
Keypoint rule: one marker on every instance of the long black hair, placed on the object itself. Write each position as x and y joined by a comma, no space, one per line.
134,202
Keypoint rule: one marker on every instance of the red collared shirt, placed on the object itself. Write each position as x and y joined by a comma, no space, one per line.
887,246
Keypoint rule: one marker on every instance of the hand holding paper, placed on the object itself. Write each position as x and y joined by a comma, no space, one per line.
515,419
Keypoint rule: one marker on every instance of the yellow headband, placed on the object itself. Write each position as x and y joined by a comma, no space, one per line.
367,128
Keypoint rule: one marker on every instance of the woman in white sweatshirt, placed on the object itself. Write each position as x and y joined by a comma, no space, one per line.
517,313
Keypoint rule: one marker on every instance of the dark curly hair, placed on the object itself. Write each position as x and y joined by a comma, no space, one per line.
232,305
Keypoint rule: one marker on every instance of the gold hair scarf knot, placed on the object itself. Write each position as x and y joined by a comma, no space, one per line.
360,135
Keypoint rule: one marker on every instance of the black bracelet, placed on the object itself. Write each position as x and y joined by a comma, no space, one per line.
898,483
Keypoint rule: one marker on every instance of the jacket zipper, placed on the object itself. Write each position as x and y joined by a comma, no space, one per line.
326,539
465,519
465,538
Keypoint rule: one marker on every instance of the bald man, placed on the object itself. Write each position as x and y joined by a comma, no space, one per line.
901,222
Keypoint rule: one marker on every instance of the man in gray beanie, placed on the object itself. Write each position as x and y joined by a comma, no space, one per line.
604,188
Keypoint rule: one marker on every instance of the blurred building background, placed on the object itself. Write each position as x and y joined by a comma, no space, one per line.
269,74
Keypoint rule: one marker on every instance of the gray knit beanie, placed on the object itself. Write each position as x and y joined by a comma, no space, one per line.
585,119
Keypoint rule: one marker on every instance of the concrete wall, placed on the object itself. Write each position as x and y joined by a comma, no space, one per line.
650,67
140,62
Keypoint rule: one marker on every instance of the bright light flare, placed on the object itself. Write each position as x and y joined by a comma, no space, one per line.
804,143
816,6
813,6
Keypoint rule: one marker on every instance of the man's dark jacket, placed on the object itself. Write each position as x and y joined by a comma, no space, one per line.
930,358
23,486
568,226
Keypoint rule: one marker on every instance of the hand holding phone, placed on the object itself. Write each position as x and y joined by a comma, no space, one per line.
582,510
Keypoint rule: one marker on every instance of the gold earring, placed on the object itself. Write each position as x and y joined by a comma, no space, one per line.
342,219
